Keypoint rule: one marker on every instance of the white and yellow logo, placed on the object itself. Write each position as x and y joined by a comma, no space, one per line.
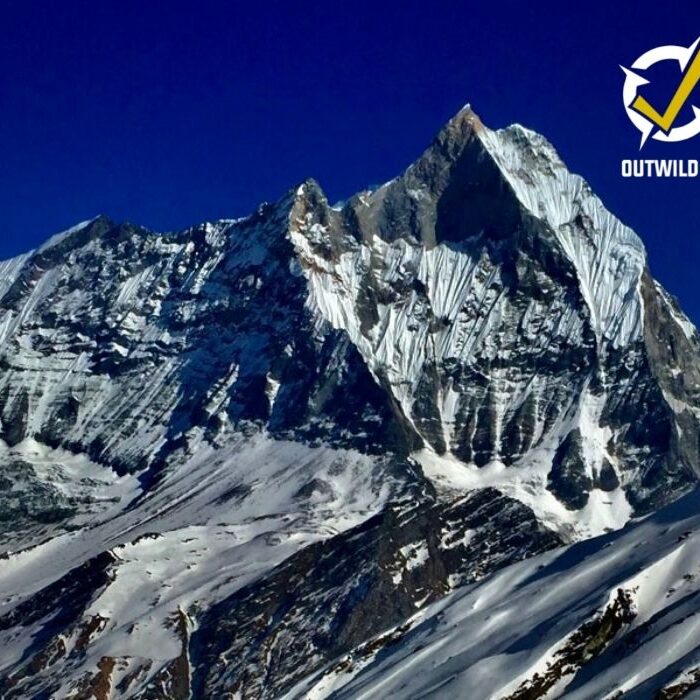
662,126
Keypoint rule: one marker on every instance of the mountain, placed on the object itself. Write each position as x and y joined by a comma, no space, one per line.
260,457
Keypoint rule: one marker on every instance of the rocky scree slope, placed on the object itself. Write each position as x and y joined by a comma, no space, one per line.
267,442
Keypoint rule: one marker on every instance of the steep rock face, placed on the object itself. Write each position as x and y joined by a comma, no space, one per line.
513,320
132,346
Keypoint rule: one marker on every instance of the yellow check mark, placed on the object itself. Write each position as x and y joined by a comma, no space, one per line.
665,121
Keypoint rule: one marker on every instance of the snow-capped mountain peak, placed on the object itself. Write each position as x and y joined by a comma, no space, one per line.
267,443
485,252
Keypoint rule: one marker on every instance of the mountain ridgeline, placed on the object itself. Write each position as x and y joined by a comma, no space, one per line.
287,435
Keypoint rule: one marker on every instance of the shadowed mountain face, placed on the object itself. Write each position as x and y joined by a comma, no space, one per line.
285,435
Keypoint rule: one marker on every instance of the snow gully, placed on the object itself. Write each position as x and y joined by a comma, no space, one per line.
659,168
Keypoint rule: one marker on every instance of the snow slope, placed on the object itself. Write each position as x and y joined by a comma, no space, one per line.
541,624
214,525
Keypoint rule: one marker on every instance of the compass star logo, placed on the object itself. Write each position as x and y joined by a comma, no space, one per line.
661,126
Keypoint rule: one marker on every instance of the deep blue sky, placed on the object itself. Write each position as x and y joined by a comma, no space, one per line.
167,114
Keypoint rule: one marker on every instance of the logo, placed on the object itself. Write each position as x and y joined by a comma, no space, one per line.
658,121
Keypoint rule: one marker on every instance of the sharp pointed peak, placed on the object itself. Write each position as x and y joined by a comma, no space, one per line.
465,123
308,186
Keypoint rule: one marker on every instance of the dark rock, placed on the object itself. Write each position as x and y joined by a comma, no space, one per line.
332,596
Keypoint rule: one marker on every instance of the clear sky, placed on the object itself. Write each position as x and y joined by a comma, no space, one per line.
167,114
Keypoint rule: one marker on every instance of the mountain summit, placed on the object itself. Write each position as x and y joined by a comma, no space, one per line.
240,459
